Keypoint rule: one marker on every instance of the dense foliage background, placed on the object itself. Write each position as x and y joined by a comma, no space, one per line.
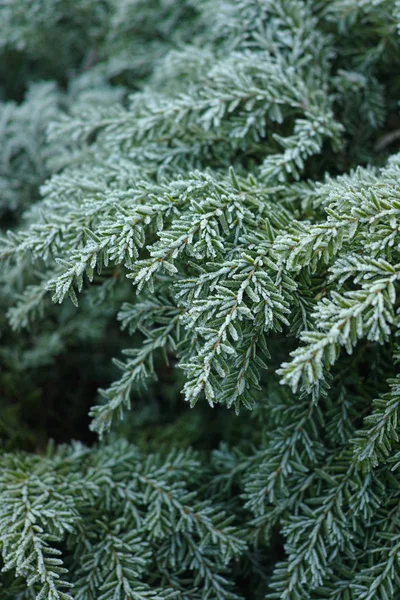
208,192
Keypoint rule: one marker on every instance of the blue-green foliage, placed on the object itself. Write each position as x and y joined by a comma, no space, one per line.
222,178
132,526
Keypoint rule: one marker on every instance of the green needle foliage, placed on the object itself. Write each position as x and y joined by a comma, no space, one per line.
209,193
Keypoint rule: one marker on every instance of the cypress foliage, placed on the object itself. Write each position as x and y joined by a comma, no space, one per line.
209,193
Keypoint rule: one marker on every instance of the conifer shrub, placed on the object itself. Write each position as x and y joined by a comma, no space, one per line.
208,193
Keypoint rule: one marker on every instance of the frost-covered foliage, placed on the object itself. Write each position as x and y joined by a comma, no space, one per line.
131,526
221,179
